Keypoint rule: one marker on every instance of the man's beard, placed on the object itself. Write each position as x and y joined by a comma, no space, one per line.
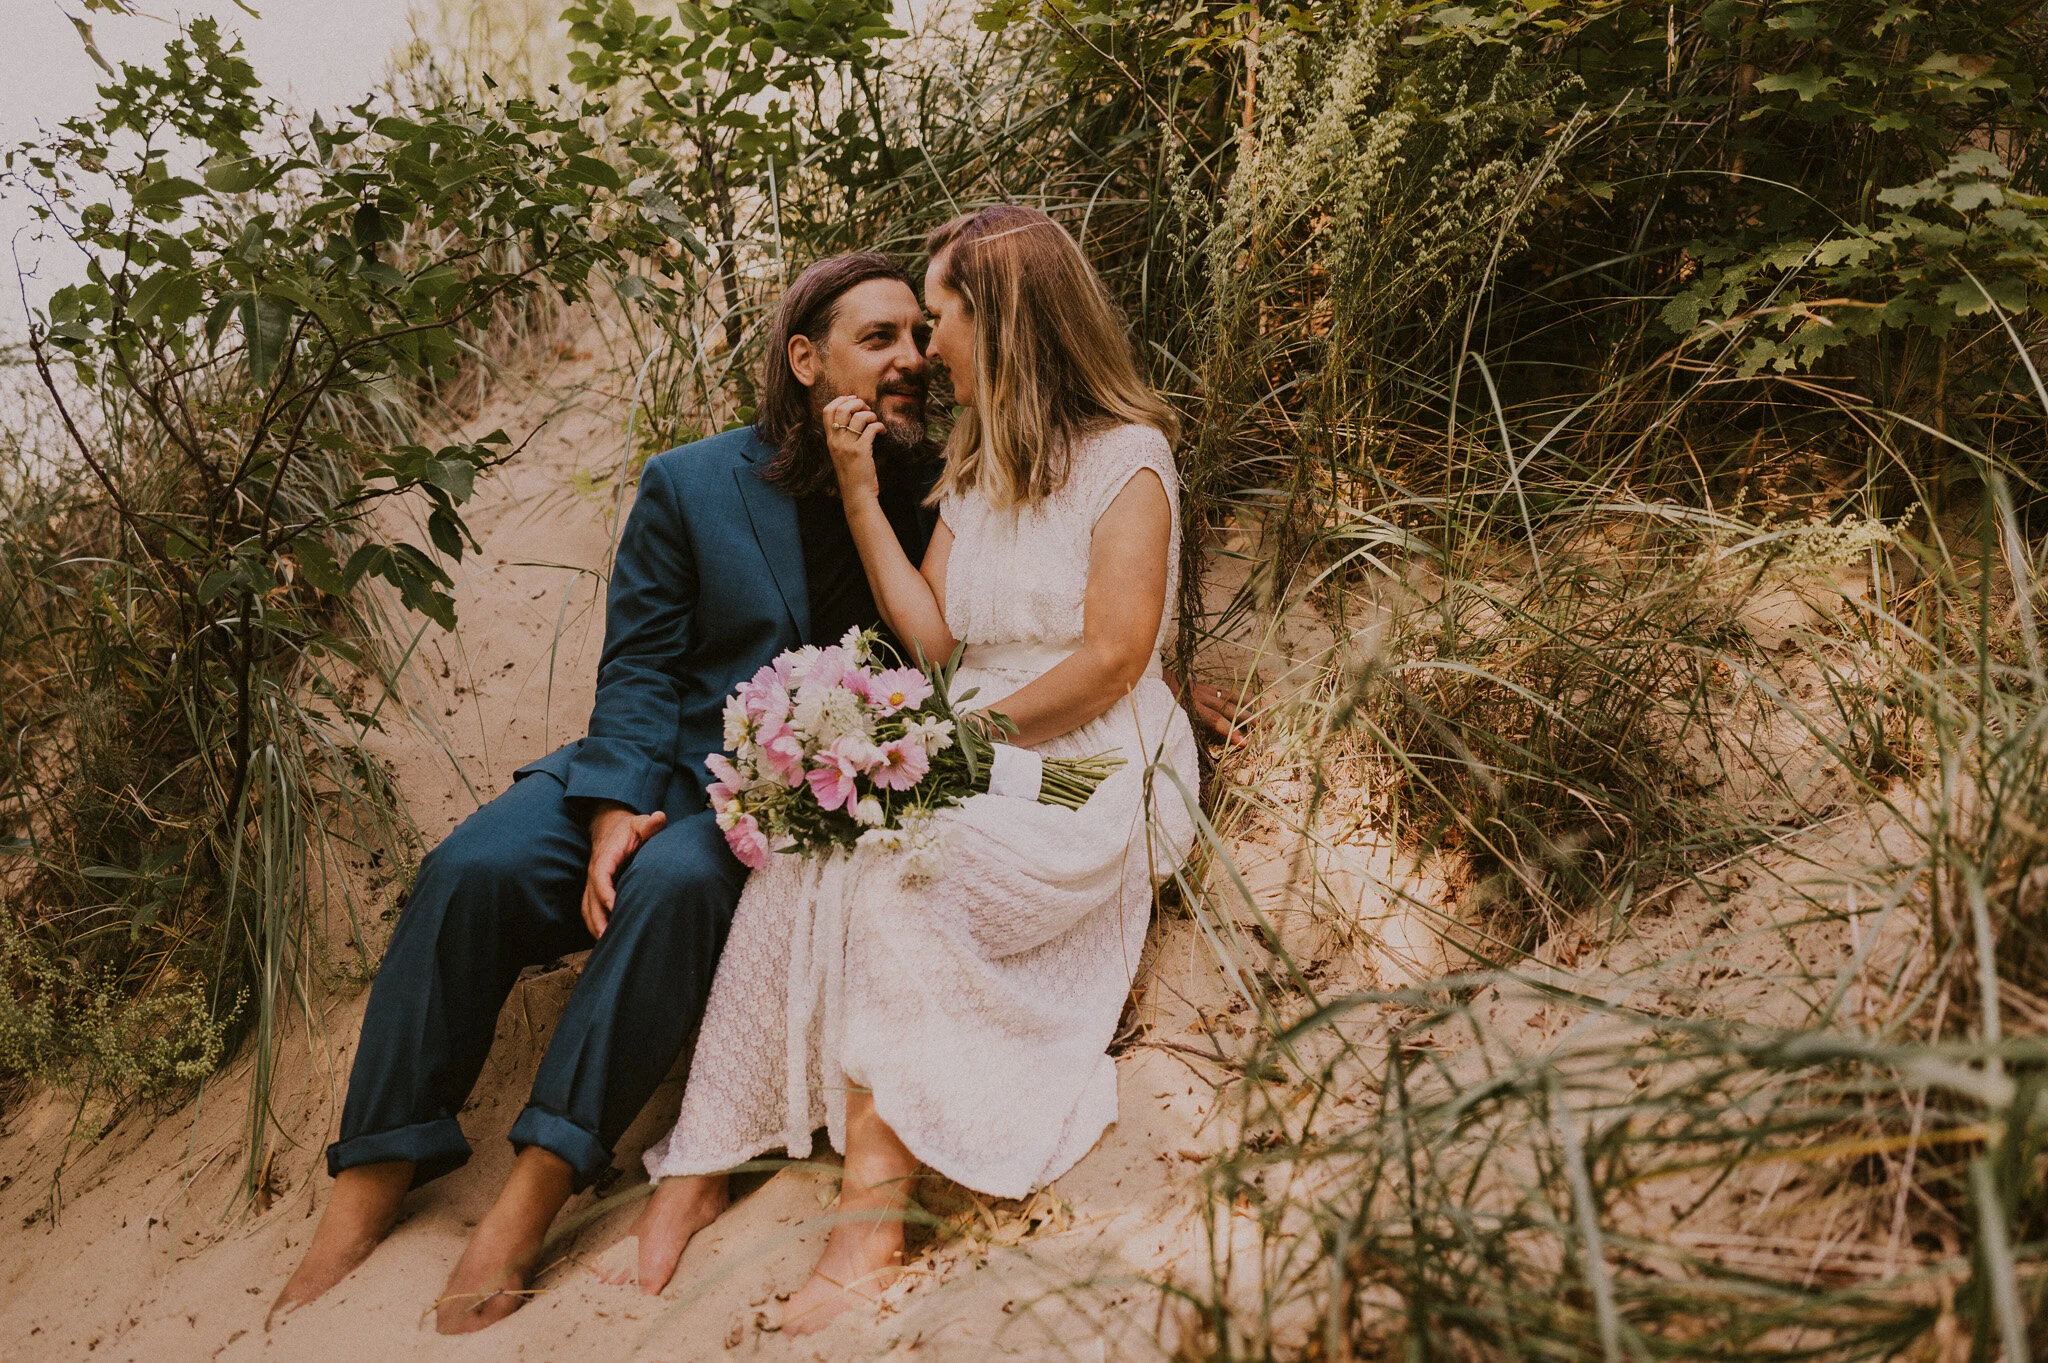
803,466
901,439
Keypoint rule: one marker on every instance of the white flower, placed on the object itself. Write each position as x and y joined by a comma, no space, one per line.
868,810
935,734
737,729
924,861
924,853
801,661
920,843
854,643
826,714
883,839
734,811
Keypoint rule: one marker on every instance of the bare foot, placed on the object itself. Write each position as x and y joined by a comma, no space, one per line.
359,1214
864,1256
649,1252
493,1278
865,1253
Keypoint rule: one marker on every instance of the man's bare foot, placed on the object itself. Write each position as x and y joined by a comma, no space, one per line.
679,1208
493,1278
863,1257
360,1212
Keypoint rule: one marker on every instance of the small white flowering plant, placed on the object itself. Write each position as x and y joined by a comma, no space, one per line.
828,748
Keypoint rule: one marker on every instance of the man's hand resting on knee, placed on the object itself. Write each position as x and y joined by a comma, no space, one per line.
616,833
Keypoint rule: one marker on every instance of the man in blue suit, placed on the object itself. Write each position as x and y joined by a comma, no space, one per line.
735,551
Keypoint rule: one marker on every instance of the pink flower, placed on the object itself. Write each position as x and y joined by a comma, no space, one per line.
861,682
782,755
729,784
748,842
832,779
900,765
830,668
767,702
899,688
832,783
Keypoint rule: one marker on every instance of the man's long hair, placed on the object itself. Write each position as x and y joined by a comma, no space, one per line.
1052,361
801,466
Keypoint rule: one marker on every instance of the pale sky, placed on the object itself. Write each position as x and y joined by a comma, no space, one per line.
315,53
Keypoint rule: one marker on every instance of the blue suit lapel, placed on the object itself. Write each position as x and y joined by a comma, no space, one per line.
773,516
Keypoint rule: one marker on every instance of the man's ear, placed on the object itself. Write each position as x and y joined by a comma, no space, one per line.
805,358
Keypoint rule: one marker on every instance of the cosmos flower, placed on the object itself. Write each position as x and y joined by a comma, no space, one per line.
900,765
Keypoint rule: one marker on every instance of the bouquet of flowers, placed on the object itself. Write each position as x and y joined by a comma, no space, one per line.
830,749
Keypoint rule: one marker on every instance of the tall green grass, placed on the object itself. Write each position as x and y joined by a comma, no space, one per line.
1633,639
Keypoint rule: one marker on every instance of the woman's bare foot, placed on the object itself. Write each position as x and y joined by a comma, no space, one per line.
863,1257
359,1214
679,1208
865,1253
492,1279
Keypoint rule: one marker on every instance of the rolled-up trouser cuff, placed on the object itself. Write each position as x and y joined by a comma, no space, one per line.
557,1135
435,1148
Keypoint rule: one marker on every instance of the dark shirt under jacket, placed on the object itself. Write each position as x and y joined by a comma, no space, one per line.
840,596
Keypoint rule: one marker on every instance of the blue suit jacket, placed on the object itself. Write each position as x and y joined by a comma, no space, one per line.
707,588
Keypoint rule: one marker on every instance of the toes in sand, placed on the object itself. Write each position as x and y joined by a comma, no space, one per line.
489,1284
325,1265
679,1208
860,1262
360,1213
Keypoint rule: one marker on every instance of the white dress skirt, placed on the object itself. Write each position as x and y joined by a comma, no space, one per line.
977,1006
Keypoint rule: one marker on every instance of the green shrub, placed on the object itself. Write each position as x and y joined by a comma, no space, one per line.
192,647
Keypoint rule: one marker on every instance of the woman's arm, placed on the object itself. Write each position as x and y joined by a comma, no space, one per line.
909,600
1119,618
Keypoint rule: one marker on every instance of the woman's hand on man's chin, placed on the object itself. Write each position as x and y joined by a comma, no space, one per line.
850,430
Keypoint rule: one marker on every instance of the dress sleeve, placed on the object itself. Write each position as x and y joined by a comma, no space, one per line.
1118,457
948,510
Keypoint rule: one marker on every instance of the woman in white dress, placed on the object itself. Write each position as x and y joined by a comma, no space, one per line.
962,1023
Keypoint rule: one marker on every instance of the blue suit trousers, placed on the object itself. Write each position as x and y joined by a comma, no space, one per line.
502,892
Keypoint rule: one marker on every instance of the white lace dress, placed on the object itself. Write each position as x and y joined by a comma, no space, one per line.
977,1007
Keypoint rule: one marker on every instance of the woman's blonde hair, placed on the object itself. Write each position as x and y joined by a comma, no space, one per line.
1051,360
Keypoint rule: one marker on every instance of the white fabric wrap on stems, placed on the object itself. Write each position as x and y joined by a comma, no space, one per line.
1017,772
